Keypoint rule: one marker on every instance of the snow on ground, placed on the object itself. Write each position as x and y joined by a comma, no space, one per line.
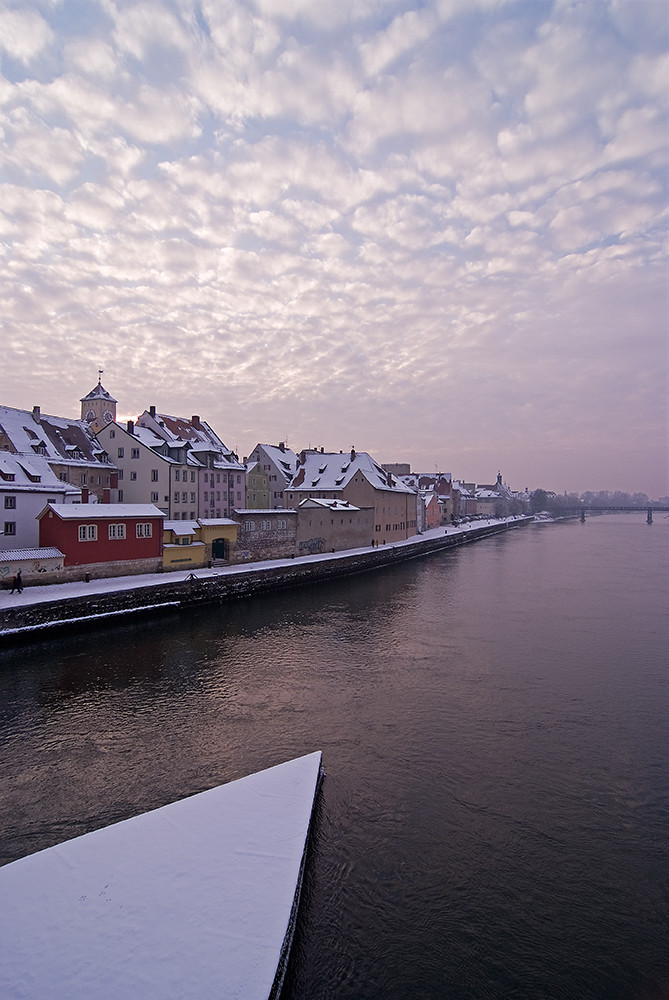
61,591
191,900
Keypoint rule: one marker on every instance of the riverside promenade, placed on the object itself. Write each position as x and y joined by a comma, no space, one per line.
41,610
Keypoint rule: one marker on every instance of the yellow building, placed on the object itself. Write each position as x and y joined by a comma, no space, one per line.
193,544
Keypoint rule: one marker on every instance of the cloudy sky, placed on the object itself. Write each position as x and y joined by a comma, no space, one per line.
433,230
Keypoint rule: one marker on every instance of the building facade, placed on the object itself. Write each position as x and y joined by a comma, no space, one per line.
108,539
26,486
279,463
362,482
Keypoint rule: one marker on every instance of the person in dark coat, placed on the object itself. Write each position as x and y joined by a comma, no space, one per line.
17,583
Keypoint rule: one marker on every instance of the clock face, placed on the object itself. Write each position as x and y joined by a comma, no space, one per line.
108,416
90,415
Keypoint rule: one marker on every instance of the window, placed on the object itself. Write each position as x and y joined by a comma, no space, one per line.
133,476
192,477
218,494
184,497
116,531
206,477
83,478
144,530
88,532
134,453
281,524
154,475
192,515
176,496
250,526
10,527
192,498
10,503
206,495
218,477
120,496
120,473
266,525
121,452
154,498
112,434
177,475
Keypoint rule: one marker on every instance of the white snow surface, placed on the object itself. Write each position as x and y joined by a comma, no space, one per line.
190,900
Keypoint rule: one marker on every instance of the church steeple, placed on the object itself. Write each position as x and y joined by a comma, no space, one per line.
98,407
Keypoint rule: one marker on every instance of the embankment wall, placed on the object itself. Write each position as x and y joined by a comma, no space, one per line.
209,587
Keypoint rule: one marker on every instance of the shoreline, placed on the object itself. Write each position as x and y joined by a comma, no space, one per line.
57,607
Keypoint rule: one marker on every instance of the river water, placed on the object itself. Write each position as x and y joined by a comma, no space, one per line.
494,721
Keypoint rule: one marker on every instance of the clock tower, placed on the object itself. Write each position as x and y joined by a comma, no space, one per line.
98,407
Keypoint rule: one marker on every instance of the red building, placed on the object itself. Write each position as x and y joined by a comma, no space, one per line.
109,533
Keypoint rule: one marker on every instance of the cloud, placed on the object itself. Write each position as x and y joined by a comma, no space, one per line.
434,231
23,34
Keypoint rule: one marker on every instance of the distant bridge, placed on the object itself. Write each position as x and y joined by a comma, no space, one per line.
583,509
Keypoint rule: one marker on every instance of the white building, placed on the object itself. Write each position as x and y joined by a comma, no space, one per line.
26,486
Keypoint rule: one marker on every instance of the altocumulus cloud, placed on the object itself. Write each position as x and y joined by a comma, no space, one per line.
434,230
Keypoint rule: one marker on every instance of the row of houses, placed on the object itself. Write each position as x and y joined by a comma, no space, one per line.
76,487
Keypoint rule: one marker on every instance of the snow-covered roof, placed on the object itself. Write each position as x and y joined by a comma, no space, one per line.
32,474
284,460
56,438
191,432
99,392
265,511
181,527
328,504
14,555
196,899
332,472
103,511
213,521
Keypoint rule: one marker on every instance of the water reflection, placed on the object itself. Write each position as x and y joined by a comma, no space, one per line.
493,721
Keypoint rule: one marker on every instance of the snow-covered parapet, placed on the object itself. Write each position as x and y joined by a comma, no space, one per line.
196,899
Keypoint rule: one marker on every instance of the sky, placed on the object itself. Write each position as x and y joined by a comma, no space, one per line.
435,231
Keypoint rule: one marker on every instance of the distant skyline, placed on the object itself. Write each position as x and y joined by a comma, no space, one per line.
434,231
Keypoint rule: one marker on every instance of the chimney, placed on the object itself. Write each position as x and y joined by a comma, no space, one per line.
322,450
36,414
131,427
353,454
152,411
106,495
84,495
195,420
282,445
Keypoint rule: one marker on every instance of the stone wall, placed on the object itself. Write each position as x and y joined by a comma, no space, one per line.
208,587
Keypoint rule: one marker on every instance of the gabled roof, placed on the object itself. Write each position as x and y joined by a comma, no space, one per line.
193,433
332,472
55,438
328,504
283,459
22,473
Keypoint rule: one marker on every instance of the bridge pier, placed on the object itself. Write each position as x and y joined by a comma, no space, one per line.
649,516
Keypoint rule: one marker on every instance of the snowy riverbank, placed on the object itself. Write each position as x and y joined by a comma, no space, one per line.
75,604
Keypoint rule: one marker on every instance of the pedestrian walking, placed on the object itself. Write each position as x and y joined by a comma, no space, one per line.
17,583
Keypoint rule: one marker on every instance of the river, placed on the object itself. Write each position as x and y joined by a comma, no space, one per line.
494,721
